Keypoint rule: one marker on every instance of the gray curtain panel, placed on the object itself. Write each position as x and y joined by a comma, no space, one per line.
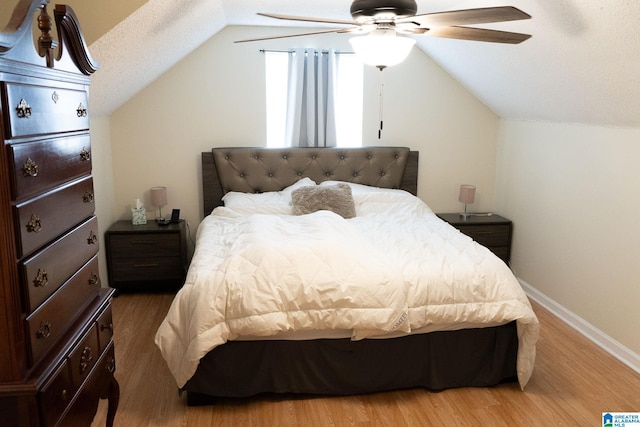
311,98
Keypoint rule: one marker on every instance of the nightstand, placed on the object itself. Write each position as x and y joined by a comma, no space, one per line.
493,231
146,257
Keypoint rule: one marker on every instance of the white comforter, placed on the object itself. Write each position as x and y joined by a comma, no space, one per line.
394,269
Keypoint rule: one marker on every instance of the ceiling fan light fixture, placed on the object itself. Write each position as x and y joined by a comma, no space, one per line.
382,48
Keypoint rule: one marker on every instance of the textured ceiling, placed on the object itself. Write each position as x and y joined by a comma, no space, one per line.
582,64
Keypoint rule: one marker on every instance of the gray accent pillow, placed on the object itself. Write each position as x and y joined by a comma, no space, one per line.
335,198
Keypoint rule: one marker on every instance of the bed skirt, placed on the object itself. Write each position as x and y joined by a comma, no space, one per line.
435,361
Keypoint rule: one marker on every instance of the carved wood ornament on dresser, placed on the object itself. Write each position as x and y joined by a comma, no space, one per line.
56,350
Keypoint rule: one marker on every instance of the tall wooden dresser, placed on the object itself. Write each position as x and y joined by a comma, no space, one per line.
56,350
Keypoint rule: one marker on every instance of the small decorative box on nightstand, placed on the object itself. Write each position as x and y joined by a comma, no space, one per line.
146,257
492,231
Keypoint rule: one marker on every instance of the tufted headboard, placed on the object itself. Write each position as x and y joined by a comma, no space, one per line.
256,170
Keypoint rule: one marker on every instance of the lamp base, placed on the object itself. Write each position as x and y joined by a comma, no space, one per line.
162,221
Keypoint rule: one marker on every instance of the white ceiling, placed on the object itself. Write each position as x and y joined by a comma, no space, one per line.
582,64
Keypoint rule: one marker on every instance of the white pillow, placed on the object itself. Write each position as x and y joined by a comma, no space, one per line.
371,200
270,202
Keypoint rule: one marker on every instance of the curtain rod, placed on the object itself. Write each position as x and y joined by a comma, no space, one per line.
291,51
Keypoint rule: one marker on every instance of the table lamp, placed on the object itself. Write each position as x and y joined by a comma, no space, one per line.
159,199
467,195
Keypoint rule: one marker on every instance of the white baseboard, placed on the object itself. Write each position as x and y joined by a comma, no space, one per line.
610,345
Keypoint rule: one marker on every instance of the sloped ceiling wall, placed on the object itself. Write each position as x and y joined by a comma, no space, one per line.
582,64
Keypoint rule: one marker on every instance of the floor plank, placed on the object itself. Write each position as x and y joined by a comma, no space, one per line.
574,381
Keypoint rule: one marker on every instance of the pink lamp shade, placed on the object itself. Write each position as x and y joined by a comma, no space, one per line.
159,196
467,194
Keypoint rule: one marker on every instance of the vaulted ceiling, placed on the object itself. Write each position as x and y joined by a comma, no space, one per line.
582,64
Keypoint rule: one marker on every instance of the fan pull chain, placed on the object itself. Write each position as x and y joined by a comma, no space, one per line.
381,102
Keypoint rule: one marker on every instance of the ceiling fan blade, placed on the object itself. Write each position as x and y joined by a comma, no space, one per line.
467,17
475,34
333,30
305,19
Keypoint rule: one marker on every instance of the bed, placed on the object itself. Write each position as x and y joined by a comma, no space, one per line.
319,271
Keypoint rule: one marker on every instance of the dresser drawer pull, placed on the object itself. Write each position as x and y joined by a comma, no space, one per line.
23,109
94,280
85,155
110,365
44,331
41,279
85,359
35,224
30,168
92,239
146,265
108,327
88,196
81,110
64,395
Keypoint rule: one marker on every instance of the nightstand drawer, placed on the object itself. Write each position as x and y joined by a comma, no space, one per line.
488,235
144,245
146,257
490,230
145,269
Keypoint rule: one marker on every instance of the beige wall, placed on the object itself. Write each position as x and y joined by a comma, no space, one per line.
572,192
216,97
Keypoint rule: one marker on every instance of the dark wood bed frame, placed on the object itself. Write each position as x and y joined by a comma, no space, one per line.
438,360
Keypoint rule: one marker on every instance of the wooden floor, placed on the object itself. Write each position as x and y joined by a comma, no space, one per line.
574,381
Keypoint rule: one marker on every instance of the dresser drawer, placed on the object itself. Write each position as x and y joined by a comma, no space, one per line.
146,269
50,321
37,110
96,386
56,395
44,272
44,218
488,235
144,245
105,328
83,356
41,165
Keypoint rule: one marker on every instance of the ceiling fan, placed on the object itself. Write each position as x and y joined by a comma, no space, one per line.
399,16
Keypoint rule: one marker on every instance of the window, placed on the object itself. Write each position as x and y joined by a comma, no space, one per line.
348,99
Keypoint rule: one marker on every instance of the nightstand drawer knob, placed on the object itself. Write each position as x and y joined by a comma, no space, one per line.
146,265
